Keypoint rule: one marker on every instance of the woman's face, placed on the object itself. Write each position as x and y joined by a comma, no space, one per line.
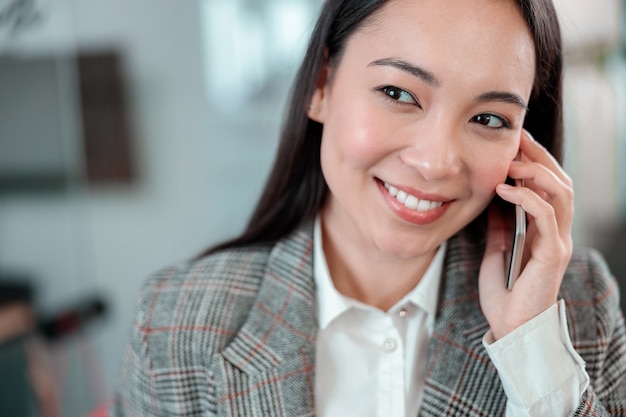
422,116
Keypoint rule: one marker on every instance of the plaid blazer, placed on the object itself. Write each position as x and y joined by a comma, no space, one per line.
233,334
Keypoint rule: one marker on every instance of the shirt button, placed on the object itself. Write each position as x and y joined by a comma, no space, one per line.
402,313
389,345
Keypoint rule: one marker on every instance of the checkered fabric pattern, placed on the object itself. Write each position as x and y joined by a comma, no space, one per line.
233,334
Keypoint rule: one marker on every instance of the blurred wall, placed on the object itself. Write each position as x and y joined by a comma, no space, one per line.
595,106
200,170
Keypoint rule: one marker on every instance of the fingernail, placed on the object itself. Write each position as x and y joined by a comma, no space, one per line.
530,136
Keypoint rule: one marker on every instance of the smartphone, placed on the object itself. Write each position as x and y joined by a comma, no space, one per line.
517,246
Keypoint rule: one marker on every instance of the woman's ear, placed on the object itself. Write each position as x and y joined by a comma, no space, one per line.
317,107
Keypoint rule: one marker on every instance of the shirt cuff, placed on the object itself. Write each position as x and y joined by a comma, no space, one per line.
538,366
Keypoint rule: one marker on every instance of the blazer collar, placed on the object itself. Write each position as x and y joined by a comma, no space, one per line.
283,318
272,358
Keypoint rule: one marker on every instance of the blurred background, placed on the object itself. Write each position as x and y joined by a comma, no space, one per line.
135,134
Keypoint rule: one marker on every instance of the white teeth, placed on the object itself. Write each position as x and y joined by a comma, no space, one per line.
424,205
411,202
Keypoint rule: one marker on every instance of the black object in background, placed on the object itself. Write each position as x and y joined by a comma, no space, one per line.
70,320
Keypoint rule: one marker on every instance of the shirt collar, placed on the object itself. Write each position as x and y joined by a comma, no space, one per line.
331,304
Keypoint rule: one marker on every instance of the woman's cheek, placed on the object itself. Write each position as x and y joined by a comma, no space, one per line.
490,176
365,140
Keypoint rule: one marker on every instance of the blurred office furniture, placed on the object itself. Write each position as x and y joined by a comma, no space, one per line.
40,101
33,352
18,397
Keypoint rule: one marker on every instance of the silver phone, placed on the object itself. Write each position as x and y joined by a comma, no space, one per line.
517,248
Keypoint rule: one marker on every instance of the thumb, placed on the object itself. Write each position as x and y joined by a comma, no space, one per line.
492,270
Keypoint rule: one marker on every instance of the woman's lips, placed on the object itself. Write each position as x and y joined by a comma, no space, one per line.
410,201
411,208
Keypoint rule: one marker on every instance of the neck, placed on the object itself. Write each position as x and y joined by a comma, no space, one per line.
369,276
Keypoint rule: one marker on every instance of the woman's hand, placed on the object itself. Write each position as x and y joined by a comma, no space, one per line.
547,198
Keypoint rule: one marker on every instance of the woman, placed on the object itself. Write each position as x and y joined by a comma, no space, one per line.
370,279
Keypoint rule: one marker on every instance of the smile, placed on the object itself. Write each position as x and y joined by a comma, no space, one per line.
410,201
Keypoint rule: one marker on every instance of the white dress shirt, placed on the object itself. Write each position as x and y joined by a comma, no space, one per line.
373,363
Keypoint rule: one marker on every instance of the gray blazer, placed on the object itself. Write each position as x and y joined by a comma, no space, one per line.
233,334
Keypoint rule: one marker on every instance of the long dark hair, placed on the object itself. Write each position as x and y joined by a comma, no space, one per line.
295,190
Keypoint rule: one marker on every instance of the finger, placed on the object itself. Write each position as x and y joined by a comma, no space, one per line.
551,242
548,186
535,152
542,213
496,230
492,281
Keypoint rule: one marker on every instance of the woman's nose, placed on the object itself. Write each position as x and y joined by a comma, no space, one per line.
436,156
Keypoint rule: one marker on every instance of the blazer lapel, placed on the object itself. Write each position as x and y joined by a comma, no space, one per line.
268,368
460,380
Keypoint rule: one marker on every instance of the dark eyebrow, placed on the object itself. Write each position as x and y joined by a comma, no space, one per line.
504,97
412,69
430,78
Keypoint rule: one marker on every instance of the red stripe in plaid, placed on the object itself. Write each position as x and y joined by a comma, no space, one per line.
273,380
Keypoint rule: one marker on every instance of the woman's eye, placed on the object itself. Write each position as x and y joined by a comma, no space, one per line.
491,120
398,94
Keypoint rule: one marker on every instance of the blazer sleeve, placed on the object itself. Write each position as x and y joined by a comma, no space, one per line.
599,335
136,391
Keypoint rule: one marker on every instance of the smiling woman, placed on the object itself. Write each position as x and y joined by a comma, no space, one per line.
420,120
370,279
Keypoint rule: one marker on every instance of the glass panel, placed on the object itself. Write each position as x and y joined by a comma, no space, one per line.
251,48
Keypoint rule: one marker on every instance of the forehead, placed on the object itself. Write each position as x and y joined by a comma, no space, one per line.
459,12
490,36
